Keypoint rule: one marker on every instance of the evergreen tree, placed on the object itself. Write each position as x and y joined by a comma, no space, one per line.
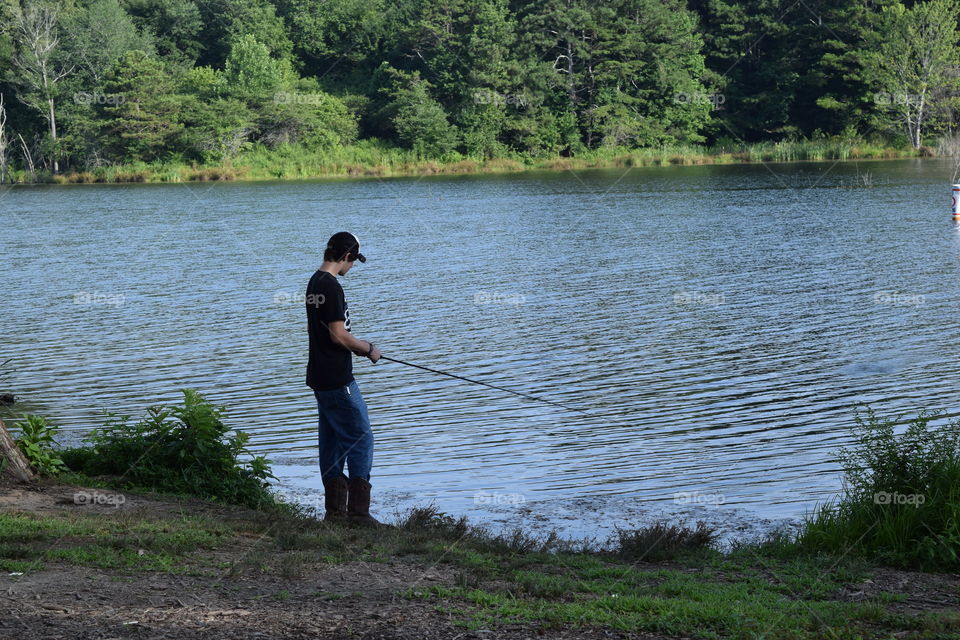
418,120
143,124
175,26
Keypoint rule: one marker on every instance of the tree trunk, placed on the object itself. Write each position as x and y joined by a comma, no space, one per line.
53,134
918,138
3,142
28,158
16,465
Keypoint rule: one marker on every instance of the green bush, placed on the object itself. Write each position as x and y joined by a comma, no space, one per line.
180,449
315,120
901,498
76,459
37,444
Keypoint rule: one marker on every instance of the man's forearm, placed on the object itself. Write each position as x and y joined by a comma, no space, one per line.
357,346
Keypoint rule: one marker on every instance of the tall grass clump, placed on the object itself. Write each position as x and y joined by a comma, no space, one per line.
663,541
901,497
177,449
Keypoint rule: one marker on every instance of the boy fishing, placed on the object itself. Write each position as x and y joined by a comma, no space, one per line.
344,427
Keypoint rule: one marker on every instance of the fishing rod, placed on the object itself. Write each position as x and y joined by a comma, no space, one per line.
486,384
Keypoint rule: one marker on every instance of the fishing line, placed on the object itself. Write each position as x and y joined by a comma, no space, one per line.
487,384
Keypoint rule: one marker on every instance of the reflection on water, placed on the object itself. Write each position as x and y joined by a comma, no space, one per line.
719,325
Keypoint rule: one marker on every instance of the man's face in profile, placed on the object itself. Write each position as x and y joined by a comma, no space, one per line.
348,264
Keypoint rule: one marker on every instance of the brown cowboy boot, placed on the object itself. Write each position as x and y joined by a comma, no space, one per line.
358,508
335,497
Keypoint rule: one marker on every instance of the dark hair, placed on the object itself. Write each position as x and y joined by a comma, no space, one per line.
328,255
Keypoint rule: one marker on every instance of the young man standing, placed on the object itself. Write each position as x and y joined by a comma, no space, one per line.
345,434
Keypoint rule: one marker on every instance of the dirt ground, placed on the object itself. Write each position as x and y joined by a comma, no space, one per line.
349,600
65,602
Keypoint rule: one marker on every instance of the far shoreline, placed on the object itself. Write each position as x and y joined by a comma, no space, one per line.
375,161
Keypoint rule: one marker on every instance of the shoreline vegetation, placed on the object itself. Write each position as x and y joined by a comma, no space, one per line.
169,523
372,158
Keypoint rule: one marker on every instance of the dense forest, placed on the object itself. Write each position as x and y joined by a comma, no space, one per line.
93,83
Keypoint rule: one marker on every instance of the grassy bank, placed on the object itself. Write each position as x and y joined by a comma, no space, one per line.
371,158
438,568
175,502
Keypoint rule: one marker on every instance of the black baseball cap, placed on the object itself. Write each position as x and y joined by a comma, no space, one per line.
345,242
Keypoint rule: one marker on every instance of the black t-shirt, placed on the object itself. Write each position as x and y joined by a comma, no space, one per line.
329,365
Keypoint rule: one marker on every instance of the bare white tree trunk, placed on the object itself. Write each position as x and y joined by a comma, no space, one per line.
918,137
3,142
28,158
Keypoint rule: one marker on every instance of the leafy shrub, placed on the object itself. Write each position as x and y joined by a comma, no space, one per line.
75,459
316,120
901,499
215,130
181,449
37,444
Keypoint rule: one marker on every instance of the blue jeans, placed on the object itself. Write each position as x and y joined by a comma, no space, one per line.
345,434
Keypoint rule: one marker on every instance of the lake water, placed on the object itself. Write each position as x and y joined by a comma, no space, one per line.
718,325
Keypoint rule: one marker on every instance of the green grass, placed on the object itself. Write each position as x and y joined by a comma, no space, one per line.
671,603
739,596
108,542
764,590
